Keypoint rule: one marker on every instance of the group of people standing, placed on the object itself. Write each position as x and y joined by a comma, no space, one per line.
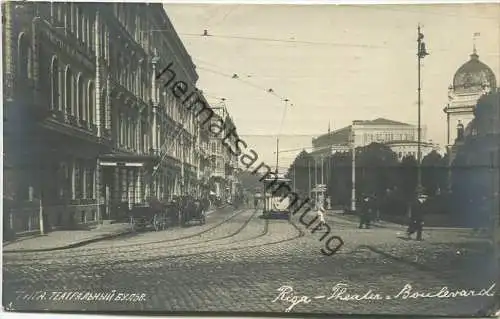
370,211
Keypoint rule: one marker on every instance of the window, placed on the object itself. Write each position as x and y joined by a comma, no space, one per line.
80,99
54,74
90,182
23,57
78,22
77,181
68,91
91,105
122,130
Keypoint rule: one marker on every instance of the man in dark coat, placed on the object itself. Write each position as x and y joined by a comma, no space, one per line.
365,211
417,210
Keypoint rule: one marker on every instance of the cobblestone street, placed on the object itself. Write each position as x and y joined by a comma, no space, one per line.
238,261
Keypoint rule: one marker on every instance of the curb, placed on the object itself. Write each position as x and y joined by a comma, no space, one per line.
85,242
74,245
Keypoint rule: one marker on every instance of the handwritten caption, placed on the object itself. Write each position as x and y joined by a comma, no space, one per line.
112,296
341,292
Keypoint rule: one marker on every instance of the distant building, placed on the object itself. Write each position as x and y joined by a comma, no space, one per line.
223,163
471,81
402,138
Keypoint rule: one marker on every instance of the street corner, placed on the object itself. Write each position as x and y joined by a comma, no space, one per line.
61,240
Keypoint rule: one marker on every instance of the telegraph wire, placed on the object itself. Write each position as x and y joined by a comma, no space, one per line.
335,44
236,77
293,41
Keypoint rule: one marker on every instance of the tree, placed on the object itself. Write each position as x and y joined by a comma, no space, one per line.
375,166
249,181
407,182
376,172
339,182
432,173
299,171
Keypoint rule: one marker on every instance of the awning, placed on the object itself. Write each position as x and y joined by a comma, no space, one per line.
127,160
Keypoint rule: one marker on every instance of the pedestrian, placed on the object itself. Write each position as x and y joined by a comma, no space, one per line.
255,202
320,212
417,208
366,208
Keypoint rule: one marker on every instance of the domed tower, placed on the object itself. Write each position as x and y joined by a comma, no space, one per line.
471,81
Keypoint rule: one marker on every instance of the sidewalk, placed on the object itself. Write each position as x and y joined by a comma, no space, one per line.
387,224
65,239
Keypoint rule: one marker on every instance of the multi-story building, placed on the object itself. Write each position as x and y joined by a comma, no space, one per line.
471,81
223,162
402,138
87,125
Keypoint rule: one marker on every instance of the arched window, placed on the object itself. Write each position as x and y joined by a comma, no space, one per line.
74,20
68,90
59,12
79,97
84,30
67,16
91,32
78,23
23,57
91,104
54,79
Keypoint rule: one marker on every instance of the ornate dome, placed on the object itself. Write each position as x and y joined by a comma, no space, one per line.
474,75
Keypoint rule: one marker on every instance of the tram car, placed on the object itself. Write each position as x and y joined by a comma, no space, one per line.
276,198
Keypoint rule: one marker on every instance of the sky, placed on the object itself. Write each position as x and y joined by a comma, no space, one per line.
334,64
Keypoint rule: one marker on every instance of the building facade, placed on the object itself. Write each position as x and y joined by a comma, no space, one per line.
88,127
402,138
471,81
223,163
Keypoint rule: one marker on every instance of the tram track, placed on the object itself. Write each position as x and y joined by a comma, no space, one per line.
76,255
78,251
299,233
233,234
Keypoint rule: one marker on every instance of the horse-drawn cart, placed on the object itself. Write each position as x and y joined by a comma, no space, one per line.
144,216
193,211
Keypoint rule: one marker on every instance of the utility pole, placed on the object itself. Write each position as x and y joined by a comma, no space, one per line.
322,170
277,153
182,167
421,53
309,171
496,211
316,180
322,197
278,135
353,172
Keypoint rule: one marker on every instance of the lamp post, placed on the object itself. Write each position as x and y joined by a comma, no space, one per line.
278,137
421,53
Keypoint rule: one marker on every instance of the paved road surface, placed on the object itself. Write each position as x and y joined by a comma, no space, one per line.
238,261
